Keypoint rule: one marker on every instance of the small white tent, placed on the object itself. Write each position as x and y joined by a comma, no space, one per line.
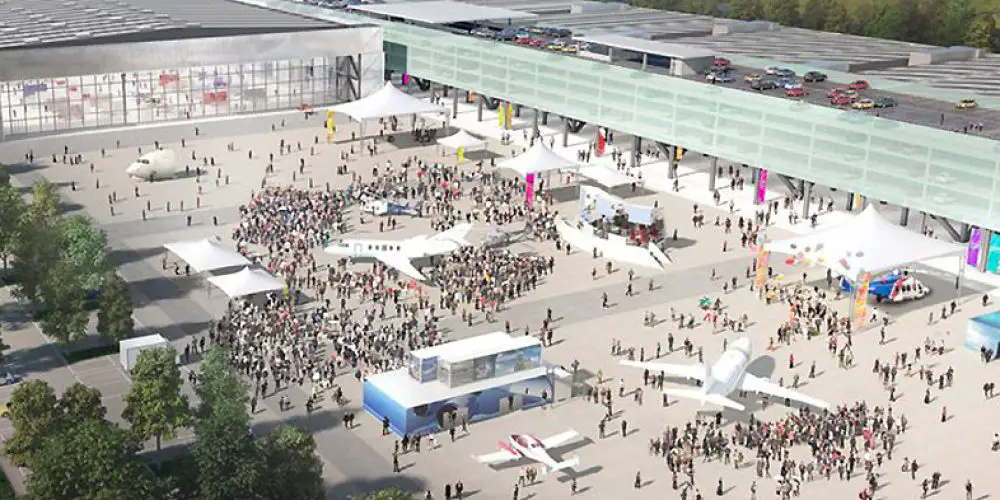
866,243
536,160
129,349
247,282
387,101
462,139
207,254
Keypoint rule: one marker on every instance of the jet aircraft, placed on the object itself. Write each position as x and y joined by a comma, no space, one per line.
399,253
386,207
159,164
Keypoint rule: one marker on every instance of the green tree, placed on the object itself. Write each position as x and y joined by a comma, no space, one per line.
385,494
294,471
36,251
982,32
4,175
814,14
66,316
154,406
928,26
746,10
93,459
784,12
114,313
889,23
80,403
958,15
85,247
35,413
11,208
838,20
45,200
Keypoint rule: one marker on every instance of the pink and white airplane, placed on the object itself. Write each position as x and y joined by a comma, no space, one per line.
526,446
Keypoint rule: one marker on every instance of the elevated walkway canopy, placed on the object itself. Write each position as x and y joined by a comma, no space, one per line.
677,59
441,12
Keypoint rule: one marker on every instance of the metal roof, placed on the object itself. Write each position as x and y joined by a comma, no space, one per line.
673,50
440,12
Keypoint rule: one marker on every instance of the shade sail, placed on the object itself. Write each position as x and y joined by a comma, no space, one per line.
386,102
866,243
536,160
462,139
247,282
606,176
208,254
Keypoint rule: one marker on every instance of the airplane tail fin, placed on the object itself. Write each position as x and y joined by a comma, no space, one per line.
456,234
703,397
566,464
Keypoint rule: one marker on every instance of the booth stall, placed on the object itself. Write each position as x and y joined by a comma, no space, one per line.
609,214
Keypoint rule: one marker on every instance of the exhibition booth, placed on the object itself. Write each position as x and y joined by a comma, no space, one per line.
609,214
462,381
129,349
984,332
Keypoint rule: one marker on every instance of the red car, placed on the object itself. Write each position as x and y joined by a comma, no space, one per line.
522,40
722,62
835,92
799,92
859,85
843,99
539,42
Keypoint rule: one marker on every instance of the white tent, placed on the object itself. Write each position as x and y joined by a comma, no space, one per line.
129,349
462,139
606,176
536,160
207,255
386,102
247,282
866,243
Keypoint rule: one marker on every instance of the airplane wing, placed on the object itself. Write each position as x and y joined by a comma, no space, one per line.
497,457
694,372
558,439
761,385
455,235
401,264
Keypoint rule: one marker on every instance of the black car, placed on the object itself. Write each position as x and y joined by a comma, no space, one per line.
885,102
814,76
764,84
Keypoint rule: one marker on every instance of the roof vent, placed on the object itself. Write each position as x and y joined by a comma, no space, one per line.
81,34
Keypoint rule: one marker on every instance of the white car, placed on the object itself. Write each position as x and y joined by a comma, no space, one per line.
771,70
8,378
792,85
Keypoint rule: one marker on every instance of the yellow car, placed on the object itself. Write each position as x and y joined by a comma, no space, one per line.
864,104
4,410
569,48
752,77
966,104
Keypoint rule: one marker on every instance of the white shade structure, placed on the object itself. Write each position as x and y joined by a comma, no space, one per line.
207,254
605,176
866,243
461,140
247,282
386,102
129,349
536,160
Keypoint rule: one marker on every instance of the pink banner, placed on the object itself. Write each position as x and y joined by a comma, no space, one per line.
406,78
761,187
529,192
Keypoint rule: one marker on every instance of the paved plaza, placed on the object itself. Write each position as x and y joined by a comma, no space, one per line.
359,459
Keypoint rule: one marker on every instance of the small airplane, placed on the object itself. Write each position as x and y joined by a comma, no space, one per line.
520,446
726,375
385,207
894,287
398,253
159,164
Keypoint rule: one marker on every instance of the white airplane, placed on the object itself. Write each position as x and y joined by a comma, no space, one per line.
398,254
520,446
726,375
159,164
385,207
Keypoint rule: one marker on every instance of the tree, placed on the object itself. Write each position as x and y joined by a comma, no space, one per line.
814,14
889,23
385,494
4,175
93,459
45,200
784,12
983,33
154,406
35,413
114,313
36,251
958,15
85,247
11,208
837,18
294,472
746,10
66,316
80,403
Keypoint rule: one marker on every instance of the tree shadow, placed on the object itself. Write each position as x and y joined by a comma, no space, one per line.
40,359
69,207
165,287
175,331
124,256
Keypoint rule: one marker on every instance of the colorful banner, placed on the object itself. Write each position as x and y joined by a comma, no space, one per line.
975,244
857,202
406,78
500,119
529,192
329,125
601,142
761,187
461,154
509,115
762,262
861,299
678,153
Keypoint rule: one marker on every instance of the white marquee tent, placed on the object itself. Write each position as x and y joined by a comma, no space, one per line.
538,159
387,101
247,282
866,243
207,254
606,176
462,139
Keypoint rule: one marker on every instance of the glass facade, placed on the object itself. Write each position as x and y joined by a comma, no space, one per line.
88,101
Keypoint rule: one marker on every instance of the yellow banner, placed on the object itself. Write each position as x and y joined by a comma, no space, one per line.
461,154
762,258
861,299
509,115
329,125
857,202
500,119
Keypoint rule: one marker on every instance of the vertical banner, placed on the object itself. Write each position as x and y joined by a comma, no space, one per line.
529,190
406,78
508,115
857,203
861,299
461,154
975,244
329,125
500,112
762,261
601,142
761,187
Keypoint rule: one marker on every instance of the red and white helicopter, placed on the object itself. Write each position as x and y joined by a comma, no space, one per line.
526,446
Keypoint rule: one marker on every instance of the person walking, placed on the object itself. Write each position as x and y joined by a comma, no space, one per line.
638,480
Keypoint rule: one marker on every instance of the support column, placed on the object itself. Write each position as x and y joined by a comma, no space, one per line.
757,173
565,132
672,162
985,237
454,105
534,124
636,155
713,172
923,222
479,108
850,201
444,91
904,217
754,174
545,117
517,111
806,199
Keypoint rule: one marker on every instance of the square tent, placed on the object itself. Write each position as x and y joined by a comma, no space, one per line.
606,176
247,282
387,101
866,243
129,349
207,254
538,159
462,139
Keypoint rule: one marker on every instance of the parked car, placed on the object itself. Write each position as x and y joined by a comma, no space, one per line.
771,70
483,33
523,39
8,378
789,83
722,62
863,104
570,48
764,84
539,42
859,85
507,34
885,102
796,92
966,104
555,46
814,76
719,77
784,73
840,91
752,77
843,99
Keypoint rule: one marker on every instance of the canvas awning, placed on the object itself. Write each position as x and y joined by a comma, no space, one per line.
387,101
207,254
538,159
866,243
247,282
462,139
605,176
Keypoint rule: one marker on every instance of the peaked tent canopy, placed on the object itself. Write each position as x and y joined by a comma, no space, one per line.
207,254
247,282
866,243
462,139
387,101
606,176
538,159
